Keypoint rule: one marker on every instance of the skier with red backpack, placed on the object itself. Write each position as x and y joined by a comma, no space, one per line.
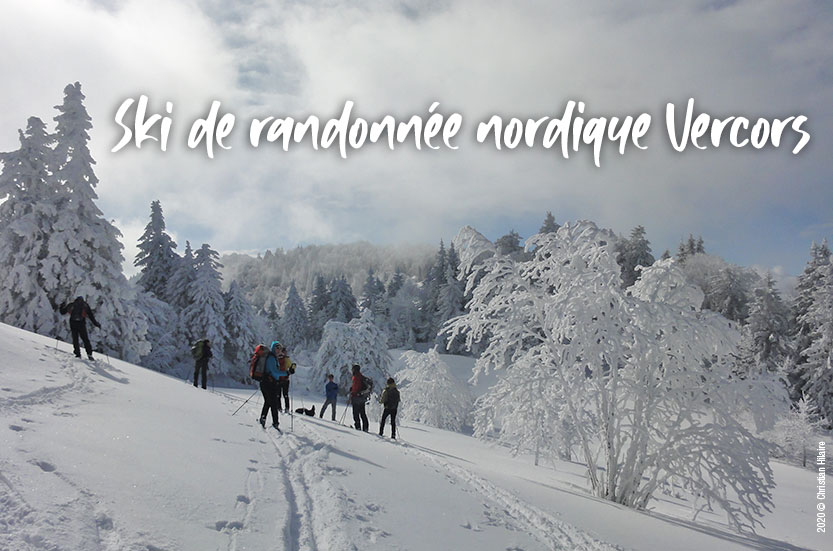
79,311
359,394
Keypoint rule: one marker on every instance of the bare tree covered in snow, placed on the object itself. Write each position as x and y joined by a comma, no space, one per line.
431,394
641,379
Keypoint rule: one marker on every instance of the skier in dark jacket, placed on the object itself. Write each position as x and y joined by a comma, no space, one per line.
286,368
358,397
78,312
269,386
201,364
331,390
389,399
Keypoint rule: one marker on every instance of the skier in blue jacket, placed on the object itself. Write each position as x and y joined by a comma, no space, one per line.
331,390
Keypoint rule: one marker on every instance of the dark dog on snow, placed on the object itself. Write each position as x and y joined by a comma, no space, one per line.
310,412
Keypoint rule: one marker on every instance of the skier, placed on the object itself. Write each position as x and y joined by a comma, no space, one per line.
390,399
201,361
286,368
269,386
78,312
331,391
358,396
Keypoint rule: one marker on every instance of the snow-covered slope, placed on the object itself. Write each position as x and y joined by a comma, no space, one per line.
110,456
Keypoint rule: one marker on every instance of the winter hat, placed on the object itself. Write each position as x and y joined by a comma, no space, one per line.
275,345
391,381
356,368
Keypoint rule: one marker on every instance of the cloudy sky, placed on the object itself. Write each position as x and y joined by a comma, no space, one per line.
757,58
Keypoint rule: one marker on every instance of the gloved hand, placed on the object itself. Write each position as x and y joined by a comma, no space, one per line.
98,325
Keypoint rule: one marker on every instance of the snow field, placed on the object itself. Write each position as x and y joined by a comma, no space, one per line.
112,456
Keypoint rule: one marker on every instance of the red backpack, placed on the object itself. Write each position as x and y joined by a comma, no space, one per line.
257,365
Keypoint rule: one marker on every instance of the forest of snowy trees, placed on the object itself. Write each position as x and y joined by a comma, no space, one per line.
685,373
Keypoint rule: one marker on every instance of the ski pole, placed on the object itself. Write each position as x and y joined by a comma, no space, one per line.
343,415
244,403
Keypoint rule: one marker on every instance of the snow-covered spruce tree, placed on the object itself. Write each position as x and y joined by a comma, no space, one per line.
395,283
357,342
430,292
549,225
808,283
450,304
647,398
728,293
26,219
204,317
319,306
242,332
157,257
404,315
764,346
632,252
342,305
295,328
84,247
374,298
166,352
819,353
181,279
431,394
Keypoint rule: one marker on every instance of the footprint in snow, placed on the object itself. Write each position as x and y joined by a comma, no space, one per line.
104,522
243,499
45,466
222,525
16,428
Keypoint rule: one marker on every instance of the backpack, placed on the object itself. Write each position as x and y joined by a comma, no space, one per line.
257,364
197,350
367,386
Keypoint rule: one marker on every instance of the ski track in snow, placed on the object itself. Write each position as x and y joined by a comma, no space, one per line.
548,530
305,457
316,518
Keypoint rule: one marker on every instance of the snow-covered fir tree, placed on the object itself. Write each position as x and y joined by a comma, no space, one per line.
28,277
295,327
242,331
84,245
374,299
204,317
764,347
632,252
318,307
549,225
405,315
728,294
167,353
358,342
157,257
342,305
431,394
625,365
434,279
181,279
819,352
808,283
450,304
509,244
690,247
395,283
